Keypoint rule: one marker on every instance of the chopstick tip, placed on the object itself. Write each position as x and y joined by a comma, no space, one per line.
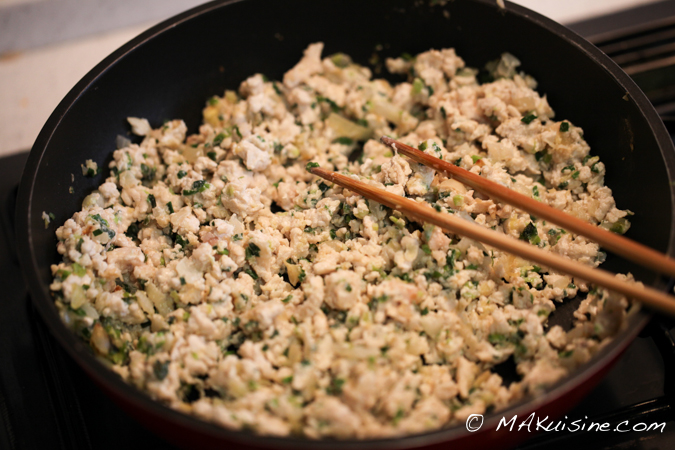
387,140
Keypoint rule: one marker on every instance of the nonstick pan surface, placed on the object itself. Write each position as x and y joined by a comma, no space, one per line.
169,71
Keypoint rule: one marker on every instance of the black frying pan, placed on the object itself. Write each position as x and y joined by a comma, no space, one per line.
169,71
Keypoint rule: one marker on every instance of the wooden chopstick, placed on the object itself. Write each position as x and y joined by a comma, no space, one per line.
449,222
613,242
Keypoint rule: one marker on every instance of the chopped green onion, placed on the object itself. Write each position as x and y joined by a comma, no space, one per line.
528,118
530,234
344,140
252,250
197,186
220,137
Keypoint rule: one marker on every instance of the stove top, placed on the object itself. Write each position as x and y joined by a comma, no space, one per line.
40,384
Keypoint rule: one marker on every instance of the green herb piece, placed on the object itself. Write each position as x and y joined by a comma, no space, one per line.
620,226
63,274
417,86
310,166
104,226
160,369
170,206
425,248
451,258
181,174
251,273
220,137
128,287
335,387
333,106
344,141
544,156
180,240
340,60
152,201
535,191
288,299
564,126
399,415
79,270
224,251
497,339
197,187
530,234
528,118
148,172
252,250
323,187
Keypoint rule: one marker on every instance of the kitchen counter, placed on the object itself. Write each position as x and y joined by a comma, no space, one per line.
47,55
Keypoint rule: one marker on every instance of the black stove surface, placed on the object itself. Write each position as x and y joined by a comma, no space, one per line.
48,402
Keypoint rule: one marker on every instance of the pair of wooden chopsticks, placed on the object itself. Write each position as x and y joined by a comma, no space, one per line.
449,222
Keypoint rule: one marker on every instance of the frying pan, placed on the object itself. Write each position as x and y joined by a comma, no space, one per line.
170,70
